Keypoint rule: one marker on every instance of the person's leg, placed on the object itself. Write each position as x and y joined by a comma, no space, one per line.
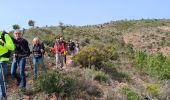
74,51
77,50
71,52
41,62
2,80
61,59
65,59
22,63
57,60
5,63
35,64
13,70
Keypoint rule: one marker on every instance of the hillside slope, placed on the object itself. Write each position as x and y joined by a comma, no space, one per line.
118,60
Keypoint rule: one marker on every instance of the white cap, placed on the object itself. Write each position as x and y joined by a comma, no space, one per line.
17,31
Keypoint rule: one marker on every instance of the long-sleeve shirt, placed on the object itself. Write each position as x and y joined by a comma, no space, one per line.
58,47
21,47
8,45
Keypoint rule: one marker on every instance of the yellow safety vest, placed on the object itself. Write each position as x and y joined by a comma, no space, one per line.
3,49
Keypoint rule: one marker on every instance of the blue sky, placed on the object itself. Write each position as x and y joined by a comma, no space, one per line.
78,12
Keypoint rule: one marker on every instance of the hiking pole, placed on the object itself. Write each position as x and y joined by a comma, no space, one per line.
3,78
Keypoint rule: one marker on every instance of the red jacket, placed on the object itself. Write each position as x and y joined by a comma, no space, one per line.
55,48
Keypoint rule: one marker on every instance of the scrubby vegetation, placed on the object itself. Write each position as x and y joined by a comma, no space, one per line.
131,95
55,82
132,52
155,65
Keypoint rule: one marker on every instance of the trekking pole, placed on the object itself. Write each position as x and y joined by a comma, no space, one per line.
3,77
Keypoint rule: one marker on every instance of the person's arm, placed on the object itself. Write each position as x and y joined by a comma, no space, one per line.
79,45
74,45
42,48
8,42
54,48
32,49
26,48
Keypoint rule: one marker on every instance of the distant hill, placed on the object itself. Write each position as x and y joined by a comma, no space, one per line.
147,34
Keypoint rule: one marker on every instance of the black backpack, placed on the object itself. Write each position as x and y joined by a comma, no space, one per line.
8,54
72,46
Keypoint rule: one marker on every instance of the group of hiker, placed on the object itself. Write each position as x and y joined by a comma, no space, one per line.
21,51
74,47
62,48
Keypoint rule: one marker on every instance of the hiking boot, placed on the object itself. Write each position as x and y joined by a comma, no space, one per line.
34,78
18,82
3,98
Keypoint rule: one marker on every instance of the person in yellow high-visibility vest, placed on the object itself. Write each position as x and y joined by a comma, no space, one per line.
65,57
6,46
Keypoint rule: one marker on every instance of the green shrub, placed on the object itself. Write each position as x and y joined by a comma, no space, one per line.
94,91
152,89
155,65
110,69
123,25
128,49
101,77
84,41
131,95
140,60
55,82
88,56
165,70
110,53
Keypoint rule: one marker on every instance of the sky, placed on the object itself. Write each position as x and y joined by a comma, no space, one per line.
78,12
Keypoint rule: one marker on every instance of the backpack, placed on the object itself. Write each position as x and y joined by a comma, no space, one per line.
72,46
8,54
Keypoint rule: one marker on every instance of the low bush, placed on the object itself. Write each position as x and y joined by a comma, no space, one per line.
152,89
131,95
55,82
155,65
88,56
101,77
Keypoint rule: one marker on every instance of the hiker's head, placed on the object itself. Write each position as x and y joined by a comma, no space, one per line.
61,38
17,34
35,41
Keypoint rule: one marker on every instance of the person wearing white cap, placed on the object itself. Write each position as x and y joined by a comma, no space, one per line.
20,53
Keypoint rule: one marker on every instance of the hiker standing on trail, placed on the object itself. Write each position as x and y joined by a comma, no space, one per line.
72,47
38,50
20,53
65,52
6,46
65,57
56,50
77,47
59,50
